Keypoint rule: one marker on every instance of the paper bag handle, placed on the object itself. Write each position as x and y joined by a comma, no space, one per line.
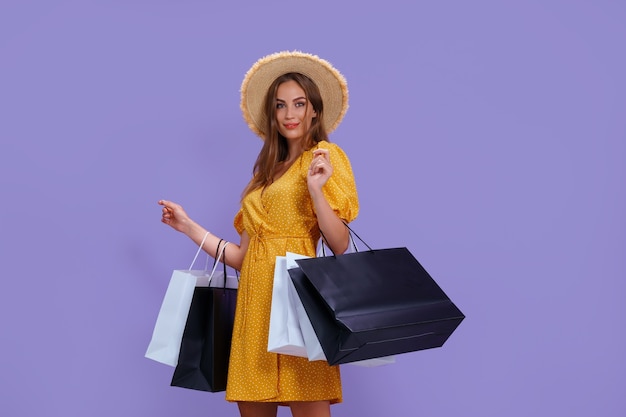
218,256
222,256
220,253
200,249
351,232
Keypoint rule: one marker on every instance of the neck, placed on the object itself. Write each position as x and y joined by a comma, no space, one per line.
295,149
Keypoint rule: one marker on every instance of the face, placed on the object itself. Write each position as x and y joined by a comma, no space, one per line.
294,112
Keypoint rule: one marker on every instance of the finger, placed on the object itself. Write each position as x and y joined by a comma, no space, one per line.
169,205
323,163
322,158
317,164
324,153
319,158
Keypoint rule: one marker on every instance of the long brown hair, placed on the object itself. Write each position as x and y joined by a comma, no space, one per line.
275,149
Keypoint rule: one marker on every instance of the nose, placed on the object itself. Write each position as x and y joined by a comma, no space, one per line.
288,112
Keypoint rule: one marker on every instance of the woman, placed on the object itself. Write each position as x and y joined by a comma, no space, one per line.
301,185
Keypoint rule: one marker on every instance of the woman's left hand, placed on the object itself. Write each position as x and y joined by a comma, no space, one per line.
320,170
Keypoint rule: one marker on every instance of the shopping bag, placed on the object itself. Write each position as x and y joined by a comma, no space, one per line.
285,335
314,349
205,347
373,303
369,363
164,345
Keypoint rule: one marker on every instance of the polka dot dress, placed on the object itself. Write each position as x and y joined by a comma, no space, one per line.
281,219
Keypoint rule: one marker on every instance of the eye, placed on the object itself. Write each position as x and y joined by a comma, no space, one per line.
300,103
280,105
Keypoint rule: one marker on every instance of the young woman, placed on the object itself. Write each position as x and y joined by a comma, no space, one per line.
302,184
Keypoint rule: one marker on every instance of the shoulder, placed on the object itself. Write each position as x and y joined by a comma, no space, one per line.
327,145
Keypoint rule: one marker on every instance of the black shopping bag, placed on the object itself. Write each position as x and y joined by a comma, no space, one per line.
205,347
373,303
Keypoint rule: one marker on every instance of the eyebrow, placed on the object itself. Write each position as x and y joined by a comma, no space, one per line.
295,99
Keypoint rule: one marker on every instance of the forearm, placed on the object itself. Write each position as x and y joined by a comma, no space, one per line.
333,228
234,253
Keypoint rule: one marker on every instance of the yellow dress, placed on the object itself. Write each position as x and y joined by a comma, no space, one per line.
281,219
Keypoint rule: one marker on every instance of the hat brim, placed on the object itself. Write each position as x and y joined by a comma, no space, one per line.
332,85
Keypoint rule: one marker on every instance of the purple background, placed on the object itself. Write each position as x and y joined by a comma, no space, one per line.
488,138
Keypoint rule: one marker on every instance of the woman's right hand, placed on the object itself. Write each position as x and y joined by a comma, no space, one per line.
174,216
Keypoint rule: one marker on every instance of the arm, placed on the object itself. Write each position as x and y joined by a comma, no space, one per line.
335,231
177,218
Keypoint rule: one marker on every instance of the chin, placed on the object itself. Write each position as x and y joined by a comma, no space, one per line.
291,135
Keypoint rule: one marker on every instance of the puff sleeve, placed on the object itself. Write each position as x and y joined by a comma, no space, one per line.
238,221
340,189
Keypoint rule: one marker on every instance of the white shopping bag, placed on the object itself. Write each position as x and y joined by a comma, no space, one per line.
170,324
313,346
313,349
284,331
164,345
370,363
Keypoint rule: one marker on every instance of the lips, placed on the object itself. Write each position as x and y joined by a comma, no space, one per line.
291,126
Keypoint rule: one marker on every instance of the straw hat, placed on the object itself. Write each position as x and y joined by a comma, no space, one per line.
331,83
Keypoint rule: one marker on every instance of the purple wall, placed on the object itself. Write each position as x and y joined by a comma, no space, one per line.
487,138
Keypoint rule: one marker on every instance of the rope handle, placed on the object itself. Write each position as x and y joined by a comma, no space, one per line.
224,262
350,232
200,249
220,254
